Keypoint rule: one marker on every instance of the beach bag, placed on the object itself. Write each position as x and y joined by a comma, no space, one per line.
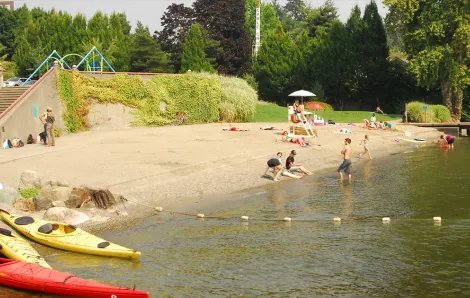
7,144
331,122
30,139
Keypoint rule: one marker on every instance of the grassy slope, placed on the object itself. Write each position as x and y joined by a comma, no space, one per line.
275,113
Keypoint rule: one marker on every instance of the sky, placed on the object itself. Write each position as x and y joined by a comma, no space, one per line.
149,12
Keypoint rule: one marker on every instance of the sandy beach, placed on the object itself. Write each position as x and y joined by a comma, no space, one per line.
170,166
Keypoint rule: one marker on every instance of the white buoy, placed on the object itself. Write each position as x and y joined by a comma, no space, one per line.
244,217
159,209
200,215
437,218
386,219
288,219
337,219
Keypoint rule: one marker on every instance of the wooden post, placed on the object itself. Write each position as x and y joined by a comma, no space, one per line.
406,113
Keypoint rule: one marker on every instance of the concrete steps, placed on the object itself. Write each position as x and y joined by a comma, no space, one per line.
9,95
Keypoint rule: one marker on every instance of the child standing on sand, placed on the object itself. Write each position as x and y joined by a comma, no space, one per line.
366,146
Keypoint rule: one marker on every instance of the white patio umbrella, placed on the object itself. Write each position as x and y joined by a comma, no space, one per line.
302,93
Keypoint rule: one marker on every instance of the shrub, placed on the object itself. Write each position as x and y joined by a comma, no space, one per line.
241,96
326,106
435,113
29,192
441,113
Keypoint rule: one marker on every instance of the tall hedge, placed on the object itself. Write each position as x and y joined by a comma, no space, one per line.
239,100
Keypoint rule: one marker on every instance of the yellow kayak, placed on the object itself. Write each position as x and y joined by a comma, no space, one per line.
66,237
15,248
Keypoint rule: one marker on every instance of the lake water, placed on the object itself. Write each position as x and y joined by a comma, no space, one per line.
409,257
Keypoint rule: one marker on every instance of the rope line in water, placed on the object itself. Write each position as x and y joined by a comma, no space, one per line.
436,219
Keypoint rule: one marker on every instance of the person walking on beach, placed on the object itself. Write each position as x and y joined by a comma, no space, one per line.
50,119
449,140
292,166
346,165
366,146
43,117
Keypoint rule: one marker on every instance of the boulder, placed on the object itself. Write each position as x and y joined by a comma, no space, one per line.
8,196
47,193
50,184
42,203
58,204
29,179
73,202
25,205
65,215
61,194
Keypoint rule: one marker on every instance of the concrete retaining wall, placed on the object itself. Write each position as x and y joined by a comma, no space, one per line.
23,118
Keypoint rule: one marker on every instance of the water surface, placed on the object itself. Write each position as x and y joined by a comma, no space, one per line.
412,256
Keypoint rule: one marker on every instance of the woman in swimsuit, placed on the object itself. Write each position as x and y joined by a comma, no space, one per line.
298,108
366,146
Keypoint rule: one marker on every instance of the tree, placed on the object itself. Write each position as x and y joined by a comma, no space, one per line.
437,40
269,19
119,49
331,62
297,9
176,22
276,66
225,21
146,54
7,27
195,50
322,18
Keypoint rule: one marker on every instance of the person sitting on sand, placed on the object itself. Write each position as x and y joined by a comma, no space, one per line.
366,146
449,140
233,128
378,110
381,125
292,166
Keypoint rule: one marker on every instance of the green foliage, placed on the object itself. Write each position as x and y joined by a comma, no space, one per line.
251,80
436,38
276,67
57,132
238,100
269,19
28,193
9,69
435,113
146,54
156,101
195,51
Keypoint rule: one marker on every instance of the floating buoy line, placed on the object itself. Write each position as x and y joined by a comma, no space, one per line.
336,220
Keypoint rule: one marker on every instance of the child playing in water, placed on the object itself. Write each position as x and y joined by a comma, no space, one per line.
366,146
449,140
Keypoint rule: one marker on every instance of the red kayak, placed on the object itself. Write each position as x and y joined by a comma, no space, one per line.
27,276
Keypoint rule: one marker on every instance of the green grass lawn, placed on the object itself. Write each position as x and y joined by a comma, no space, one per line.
275,113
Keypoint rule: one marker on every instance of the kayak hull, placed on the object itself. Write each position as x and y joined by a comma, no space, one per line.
66,237
15,248
32,277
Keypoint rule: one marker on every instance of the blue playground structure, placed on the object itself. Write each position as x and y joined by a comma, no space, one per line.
93,61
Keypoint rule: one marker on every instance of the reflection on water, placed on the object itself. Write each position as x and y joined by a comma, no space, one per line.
185,257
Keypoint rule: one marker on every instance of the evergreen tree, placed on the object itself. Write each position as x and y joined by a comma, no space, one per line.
322,18
269,19
80,35
195,50
119,51
225,21
276,67
176,22
146,53
7,28
375,63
